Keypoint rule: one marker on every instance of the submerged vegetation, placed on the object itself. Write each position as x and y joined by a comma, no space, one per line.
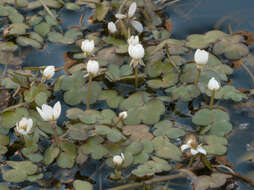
113,99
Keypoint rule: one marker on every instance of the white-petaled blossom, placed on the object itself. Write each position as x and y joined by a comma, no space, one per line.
136,51
87,46
123,115
92,67
120,16
193,150
48,72
24,126
49,113
133,40
132,9
118,160
213,84
201,57
112,27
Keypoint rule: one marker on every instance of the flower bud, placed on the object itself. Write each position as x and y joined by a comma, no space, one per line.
112,27
87,46
118,160
48,72
123,115
213,84
132,9
133,40
201,57
92,67
136,51
24,126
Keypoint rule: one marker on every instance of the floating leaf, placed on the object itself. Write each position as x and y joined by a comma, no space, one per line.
184,92
216,119
101,10
166,149
50,154
113,135
9,118
24,41
199,41
151,167
93,146
215,145
43,28
76,90
111,97
81,185
139,106
205,182
137,132
165,128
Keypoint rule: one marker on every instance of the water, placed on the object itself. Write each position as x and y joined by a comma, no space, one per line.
188,17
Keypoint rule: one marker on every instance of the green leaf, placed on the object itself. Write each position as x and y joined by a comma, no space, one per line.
166,149
113,135
184,92
101,10
10,118
217,119
82,185
111,97
50,154
76,89
43,28
165,128
139,106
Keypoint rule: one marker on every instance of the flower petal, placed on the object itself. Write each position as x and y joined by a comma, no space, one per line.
201,150
48,110
184,147
43,115
194,152
57,110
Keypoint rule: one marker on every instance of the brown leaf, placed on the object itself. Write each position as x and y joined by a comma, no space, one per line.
68,62
168,25
248,35
223,160
137,132
237,64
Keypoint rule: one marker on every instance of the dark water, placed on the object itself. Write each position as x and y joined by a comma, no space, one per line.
188,17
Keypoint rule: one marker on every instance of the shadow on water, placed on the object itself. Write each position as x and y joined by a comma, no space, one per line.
188,17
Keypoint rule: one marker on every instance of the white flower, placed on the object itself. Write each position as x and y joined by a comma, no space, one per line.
49,72
24,126
193,150
112,27
201,57
92,67
48,113
120,16
87,46
133,40
132,9
123,115
118,159
136,51
213,84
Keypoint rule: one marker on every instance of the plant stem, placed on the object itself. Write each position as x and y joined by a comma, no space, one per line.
136,76
90,76
53,124
212,99
151,181
197,77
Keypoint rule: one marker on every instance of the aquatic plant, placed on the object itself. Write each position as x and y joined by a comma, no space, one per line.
132,131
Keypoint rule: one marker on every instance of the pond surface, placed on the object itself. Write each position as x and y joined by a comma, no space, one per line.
188,17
